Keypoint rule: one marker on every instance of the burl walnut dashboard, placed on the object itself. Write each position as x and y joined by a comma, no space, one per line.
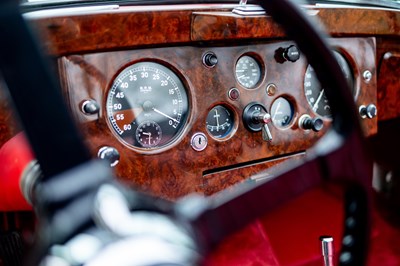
179,97
211,101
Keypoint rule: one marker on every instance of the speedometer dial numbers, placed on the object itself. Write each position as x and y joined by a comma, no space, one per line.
248,72
315,94
147,106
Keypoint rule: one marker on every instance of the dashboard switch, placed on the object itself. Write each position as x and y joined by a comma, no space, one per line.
369,111
256,118
109,154
307,123
291,53
90,107
210,60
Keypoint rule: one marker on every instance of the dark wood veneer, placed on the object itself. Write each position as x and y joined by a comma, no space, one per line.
179,170
388,57
87,70
216,182
128,27
9,126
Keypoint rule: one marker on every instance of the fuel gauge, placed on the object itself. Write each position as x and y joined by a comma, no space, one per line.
219,122
282,112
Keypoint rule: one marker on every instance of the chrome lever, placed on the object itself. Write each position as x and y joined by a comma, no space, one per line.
265,118
266,134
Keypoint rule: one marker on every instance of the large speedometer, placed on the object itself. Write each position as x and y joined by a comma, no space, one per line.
147,105
315,94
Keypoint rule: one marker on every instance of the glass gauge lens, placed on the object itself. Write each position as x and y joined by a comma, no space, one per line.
315,94
147,105
282,112
248,72
219,122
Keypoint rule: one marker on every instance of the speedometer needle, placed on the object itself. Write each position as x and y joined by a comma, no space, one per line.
315,106
163,114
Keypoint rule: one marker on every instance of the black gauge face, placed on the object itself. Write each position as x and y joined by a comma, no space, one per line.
148,134
316,95
282,112
219,122
147,105
248,72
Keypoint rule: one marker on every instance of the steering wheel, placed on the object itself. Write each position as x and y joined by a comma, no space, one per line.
338,156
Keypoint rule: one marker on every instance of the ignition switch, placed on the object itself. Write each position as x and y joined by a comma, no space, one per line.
256,118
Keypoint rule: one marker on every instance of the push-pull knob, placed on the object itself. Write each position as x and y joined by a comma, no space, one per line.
210,60
315,124
256,118
90,107
109,154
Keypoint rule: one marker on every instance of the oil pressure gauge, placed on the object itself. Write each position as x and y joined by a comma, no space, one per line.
219,122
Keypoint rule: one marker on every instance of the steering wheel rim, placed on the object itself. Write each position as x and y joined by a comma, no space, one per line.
341,148
346,132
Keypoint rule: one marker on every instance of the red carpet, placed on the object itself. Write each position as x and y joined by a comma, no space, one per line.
290,235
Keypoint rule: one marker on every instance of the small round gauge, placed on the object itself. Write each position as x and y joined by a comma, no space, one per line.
282,112
315,94
248,72
148,134
147,105
219,122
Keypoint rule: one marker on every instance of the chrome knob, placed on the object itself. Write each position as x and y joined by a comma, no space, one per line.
109,154
90,107
315,124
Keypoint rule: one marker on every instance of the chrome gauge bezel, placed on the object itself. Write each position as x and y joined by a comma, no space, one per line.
151,112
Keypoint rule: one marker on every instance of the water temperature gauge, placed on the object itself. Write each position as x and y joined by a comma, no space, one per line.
219,122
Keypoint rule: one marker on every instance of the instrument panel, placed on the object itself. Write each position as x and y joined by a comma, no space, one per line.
176,114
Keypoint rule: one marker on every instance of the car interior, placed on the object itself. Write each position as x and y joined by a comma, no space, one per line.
211,132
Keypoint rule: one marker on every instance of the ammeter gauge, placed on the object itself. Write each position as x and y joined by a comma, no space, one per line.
220,121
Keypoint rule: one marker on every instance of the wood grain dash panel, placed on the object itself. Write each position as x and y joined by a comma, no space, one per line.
129,27
178,169
215,182
225,25
114,30
389,86
9,124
